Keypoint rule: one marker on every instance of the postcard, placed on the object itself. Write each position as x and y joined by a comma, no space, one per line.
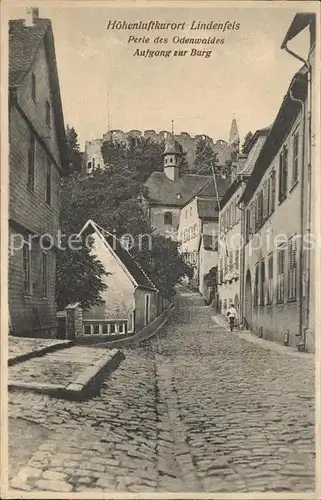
160,229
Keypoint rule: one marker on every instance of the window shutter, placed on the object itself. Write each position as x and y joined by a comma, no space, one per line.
285,172
280,175
272,207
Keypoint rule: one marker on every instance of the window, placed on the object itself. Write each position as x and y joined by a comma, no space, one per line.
256,286
259,211
186,214
33,86
270,280
48,183
190,210
26,268
230,262
280,275
292,269
295,157
168,219
262,282
147,309
31,161
271,193
265,199
48,113
253,215
89,166
87,329
248,224
283,174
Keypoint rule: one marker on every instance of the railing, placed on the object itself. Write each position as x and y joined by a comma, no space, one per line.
105,327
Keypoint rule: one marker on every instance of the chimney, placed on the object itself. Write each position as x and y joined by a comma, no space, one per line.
32,14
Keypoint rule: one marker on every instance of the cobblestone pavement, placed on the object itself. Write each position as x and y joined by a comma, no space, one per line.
194,409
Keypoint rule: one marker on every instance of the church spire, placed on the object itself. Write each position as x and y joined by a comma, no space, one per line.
234,133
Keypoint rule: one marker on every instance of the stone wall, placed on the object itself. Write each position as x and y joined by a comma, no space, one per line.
92,156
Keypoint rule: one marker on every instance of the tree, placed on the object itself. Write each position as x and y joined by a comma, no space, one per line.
246,141
114,200
163,263
73,150
79,278
140,155
205,157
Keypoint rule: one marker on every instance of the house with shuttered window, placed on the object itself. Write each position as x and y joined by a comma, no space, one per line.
277,273
37,161
230,228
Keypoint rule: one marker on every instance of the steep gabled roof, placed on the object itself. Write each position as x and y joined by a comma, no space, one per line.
24,44
164,191
207,208
128,263
288,112
209,190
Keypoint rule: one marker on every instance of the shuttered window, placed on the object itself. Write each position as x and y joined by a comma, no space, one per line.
272,193
259,212
295,157
256,286
266,199
270,280
283,174
253,210
280,275
292,269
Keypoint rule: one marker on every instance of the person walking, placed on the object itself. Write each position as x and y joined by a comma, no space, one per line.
232,315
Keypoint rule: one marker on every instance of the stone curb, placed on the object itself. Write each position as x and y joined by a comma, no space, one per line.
84,386
39,352
38,387
88,382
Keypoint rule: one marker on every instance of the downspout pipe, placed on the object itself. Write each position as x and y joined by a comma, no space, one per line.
306,62
302,275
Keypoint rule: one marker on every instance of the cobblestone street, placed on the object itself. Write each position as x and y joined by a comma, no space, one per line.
195,408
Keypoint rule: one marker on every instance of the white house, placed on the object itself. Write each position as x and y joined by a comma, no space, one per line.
131,300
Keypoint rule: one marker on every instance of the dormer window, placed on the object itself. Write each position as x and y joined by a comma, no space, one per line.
48,113
33,87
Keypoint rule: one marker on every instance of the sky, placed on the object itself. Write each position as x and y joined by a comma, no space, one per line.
246,77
